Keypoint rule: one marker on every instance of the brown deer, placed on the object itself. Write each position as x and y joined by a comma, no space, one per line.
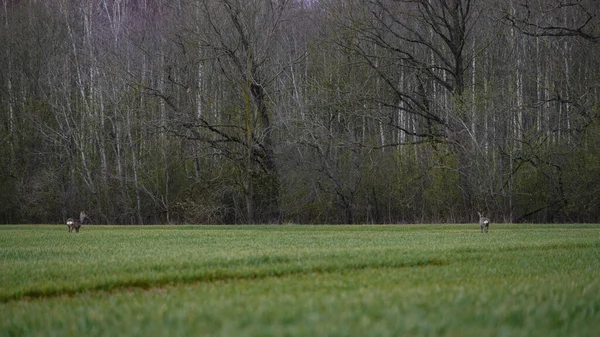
75,224
484,223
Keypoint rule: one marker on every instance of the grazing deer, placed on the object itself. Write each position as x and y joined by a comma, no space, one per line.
75,224
484,223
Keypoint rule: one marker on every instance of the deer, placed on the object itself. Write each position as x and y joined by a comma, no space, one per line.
75,224
484,223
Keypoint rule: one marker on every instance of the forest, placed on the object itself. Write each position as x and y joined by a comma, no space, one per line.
299,111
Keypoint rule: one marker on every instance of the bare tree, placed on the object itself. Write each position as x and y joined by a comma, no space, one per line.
432,43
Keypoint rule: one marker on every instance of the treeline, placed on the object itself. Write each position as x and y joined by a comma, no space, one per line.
297,111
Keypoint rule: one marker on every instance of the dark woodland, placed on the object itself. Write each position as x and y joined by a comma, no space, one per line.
299,111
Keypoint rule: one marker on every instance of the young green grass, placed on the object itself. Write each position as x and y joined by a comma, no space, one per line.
518,280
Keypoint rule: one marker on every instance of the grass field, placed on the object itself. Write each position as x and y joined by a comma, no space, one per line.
425,280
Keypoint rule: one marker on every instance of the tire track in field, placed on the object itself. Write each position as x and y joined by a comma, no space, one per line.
254,268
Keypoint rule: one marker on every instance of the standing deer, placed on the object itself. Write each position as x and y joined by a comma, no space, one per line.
75,224
484,223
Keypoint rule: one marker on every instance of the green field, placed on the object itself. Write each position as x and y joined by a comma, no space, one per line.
418,280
